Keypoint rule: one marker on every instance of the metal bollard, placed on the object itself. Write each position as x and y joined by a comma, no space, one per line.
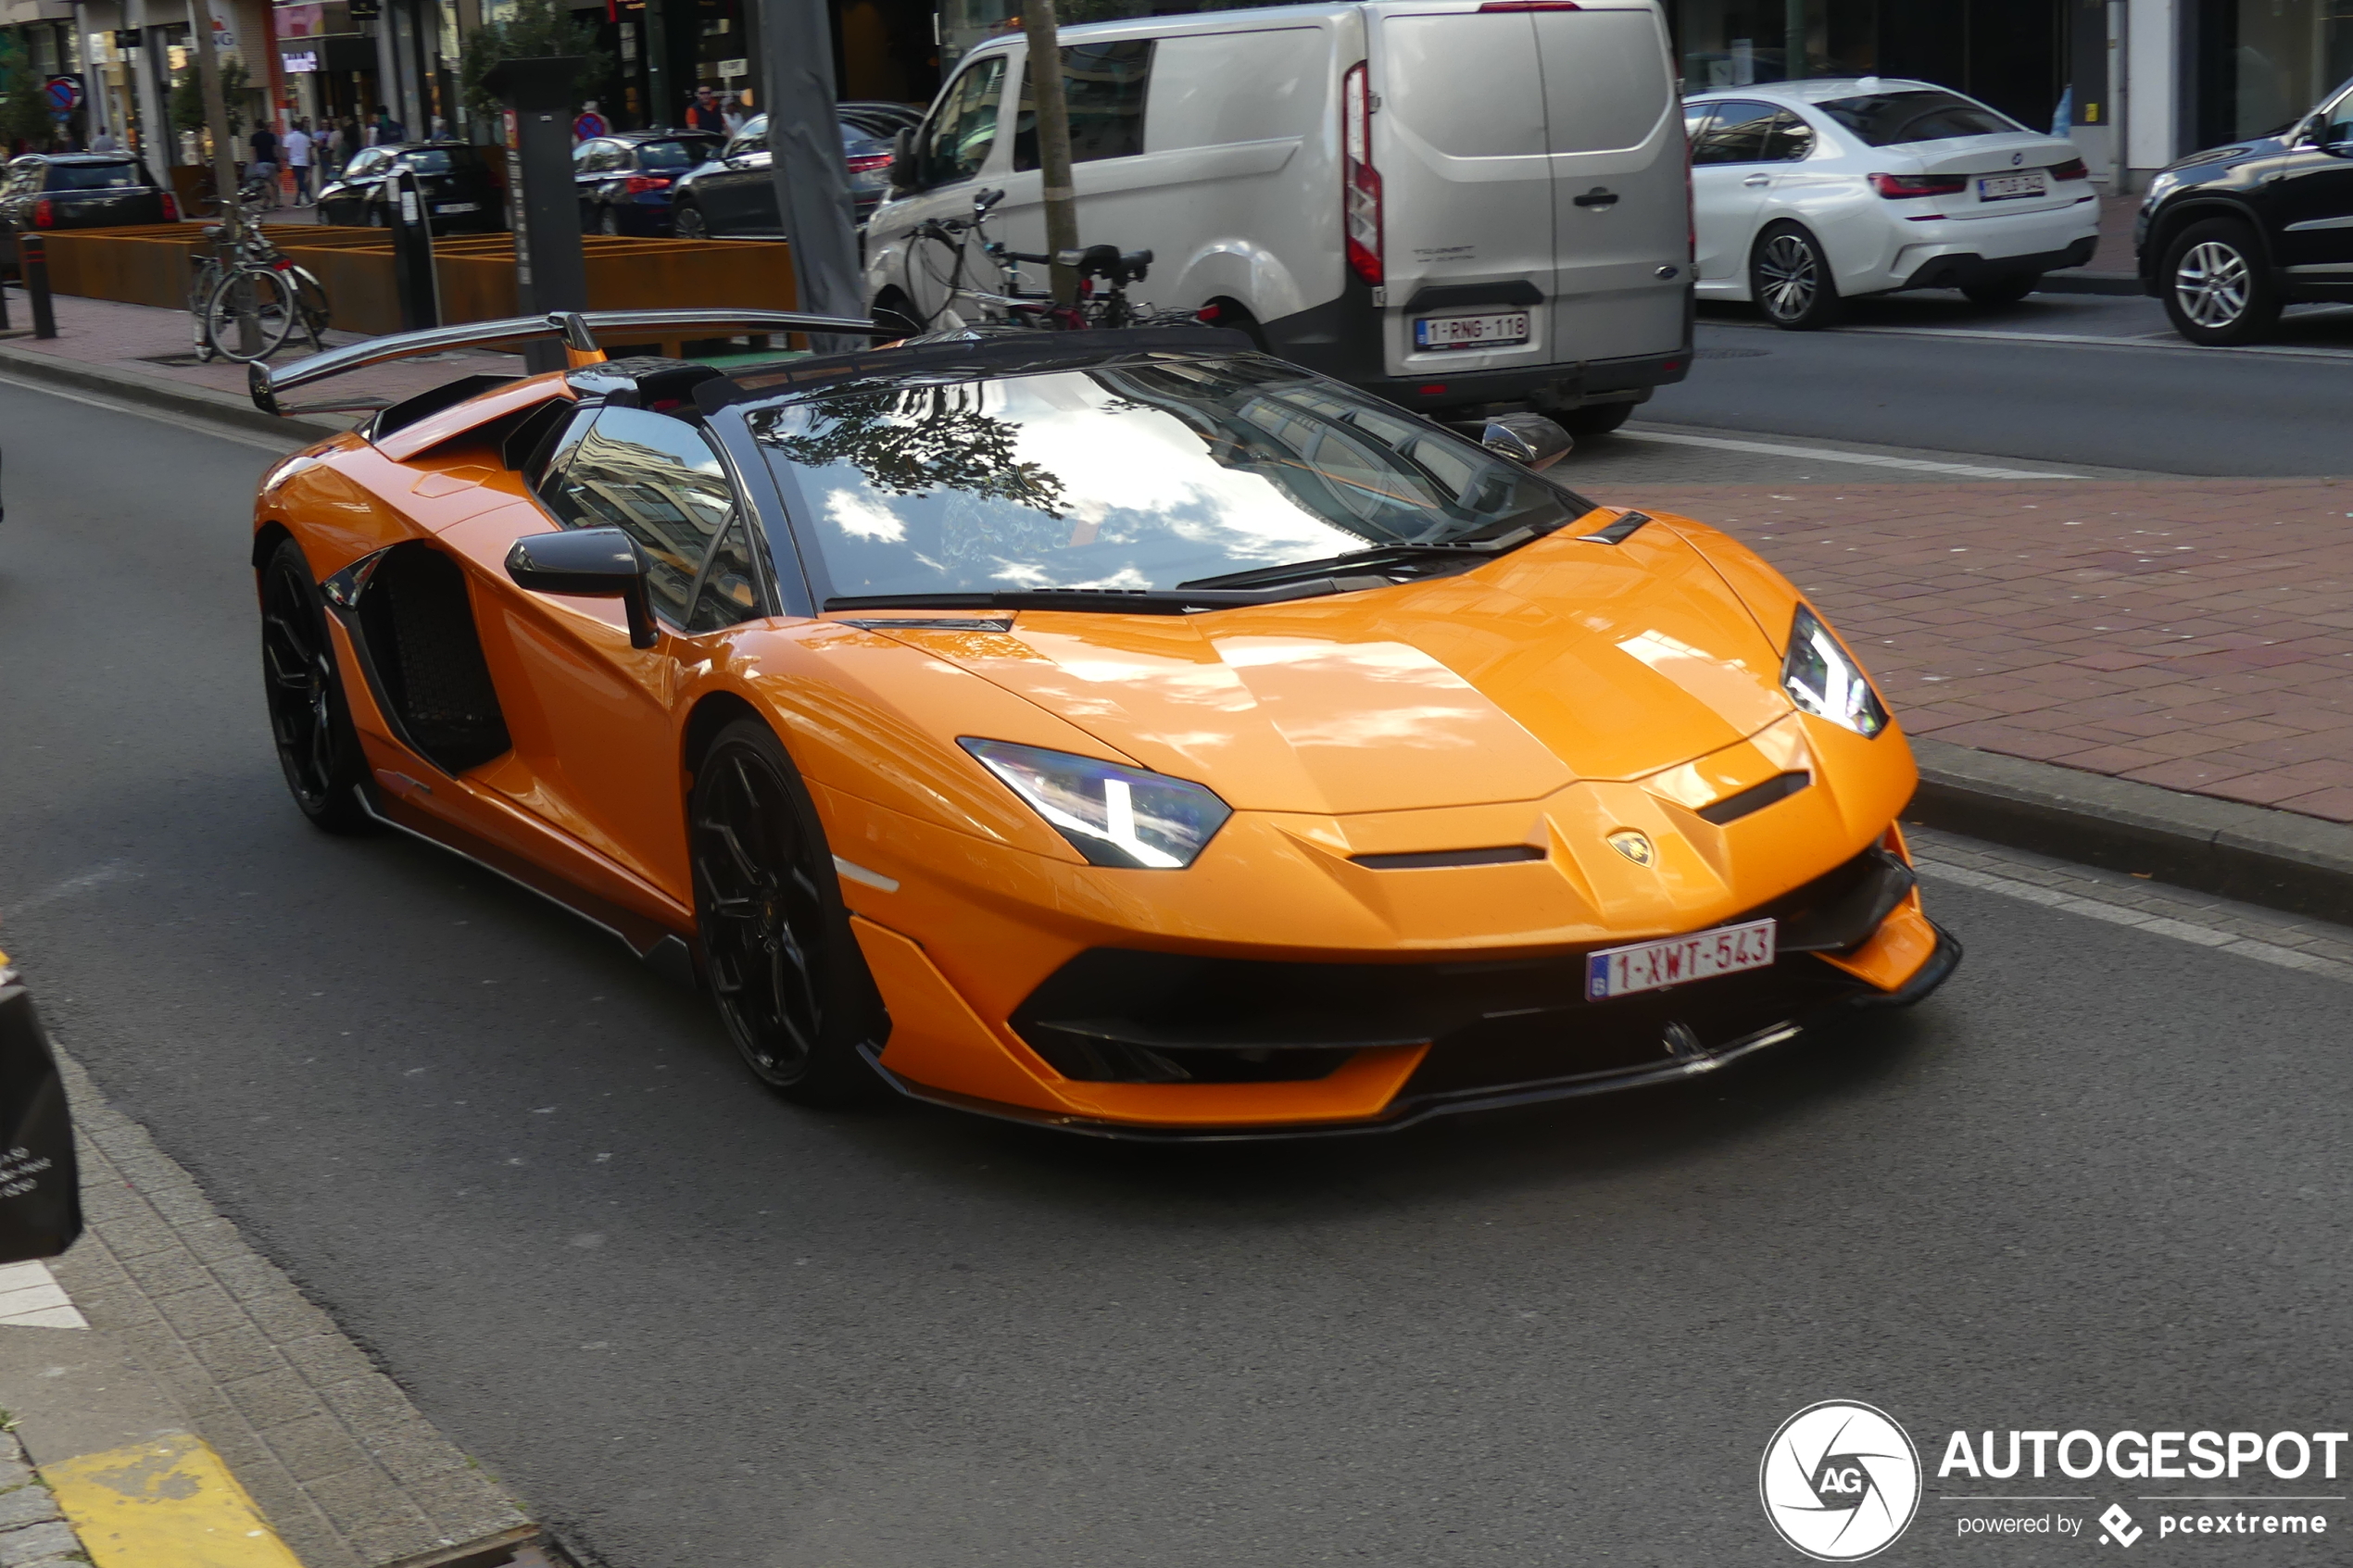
32,261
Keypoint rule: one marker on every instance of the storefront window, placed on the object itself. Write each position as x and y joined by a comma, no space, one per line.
2262,63
1736,43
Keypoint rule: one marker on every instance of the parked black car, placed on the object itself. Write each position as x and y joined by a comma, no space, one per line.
2228,236
734,195
624,180
42,191
454,180
879,118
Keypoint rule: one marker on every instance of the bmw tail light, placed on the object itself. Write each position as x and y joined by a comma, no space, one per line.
171,207
870,163
2072,169
638,184
1360,182
45,214
1902,187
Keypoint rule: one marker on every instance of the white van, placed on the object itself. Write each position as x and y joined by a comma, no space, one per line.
1462,207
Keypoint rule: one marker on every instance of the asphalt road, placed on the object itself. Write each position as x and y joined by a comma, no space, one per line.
2058,377
2096,1182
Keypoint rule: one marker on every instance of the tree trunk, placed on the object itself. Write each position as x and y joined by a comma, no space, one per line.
1053,141
224,160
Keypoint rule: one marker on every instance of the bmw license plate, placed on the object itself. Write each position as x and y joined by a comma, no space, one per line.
457,207
1676,960
2012,187
1471,331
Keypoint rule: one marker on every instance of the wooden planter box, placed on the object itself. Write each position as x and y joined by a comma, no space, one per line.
150,265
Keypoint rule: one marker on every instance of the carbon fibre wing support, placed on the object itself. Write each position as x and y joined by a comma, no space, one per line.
577,329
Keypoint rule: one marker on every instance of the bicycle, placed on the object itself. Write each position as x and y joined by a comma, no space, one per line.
1015,305
253,277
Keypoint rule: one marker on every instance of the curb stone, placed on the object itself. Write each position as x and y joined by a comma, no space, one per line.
177,397
2280,860
33,1531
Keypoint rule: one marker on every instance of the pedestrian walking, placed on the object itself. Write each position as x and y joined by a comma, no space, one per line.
388,131
702,112
103,141
264,143
298,158
349,139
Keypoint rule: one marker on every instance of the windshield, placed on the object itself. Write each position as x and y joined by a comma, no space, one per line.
1925,114
92,176
438,160
1151,474
673,154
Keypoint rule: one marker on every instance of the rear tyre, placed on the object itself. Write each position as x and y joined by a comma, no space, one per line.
1593,419
687,222
792,985
893,314
2217,290
2003,291
318,748
1790,279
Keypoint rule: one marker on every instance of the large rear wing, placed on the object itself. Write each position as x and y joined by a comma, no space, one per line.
577,328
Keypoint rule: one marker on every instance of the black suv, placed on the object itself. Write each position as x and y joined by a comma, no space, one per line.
452,179
2229,236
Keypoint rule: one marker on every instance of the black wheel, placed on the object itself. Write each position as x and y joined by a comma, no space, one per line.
1593,419
2217,290
1790,279
792,985
686,221
893,313
317,745
2003,291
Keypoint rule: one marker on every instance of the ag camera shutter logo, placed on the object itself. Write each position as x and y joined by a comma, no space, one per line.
1840,1481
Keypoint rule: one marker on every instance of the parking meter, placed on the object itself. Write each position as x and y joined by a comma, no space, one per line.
415,285
542,204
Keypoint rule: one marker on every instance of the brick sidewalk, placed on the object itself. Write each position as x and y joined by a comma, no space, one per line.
2193,634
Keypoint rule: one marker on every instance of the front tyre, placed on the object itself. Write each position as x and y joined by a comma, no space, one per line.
792,985
2217,290
687,222
1789,277
1593,419
318,748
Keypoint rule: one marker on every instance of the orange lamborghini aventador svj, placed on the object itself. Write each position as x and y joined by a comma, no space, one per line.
1122,731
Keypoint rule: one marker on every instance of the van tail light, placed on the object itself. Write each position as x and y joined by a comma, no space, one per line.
2072,169
171,207
45,214
1359,180
1901,187
638,184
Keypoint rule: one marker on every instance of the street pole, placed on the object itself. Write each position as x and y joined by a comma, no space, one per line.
804,148
1053,142
224,164
543,204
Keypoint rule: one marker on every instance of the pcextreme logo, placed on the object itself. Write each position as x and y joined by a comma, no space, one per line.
1840,1481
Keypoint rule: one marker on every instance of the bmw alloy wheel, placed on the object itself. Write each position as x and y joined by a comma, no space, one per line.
2211,283
1789,279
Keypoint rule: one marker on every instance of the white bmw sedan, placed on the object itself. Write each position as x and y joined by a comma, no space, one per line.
1807,193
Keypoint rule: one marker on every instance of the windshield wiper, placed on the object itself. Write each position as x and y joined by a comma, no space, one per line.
1464,553
1112,601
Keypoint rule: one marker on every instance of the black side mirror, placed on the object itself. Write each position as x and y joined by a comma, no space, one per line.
601,563
902,161
1529,439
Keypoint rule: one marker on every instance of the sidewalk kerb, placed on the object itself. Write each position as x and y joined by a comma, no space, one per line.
154,391
2280,860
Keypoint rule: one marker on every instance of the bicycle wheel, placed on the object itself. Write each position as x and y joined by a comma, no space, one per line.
204,276
273,313
312,307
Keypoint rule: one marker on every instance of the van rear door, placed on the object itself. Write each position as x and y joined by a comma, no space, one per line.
1461,145
1621,211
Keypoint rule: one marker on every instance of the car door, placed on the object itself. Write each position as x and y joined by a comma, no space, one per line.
592,164
1730,182
603,707
951,149
739,195
359,178
1105,87
2309,198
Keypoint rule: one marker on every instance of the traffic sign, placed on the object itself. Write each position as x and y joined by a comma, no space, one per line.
63,94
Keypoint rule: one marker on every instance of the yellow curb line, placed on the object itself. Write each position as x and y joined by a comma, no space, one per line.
169,1502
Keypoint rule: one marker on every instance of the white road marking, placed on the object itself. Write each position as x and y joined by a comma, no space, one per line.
31,1298
1823,454
294,442
2164,341
2140,919
97,876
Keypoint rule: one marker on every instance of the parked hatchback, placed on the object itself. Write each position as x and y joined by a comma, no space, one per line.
1805,194
457,186
735,194
625,180
42,190
2229,235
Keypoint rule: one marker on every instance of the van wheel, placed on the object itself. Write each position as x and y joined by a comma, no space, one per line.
893,314
1790,279
2217,290
1236,317
1593,419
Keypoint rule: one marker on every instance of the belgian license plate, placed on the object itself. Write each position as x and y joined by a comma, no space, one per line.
457,207
2011,187
1471,331
1678,960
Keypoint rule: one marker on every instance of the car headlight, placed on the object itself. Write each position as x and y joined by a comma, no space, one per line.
1113,815
1823,681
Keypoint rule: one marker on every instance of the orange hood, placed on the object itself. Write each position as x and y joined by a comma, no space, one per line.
1563,661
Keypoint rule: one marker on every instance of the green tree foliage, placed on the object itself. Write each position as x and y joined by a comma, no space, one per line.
24,117
914,441
236,92
538,28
